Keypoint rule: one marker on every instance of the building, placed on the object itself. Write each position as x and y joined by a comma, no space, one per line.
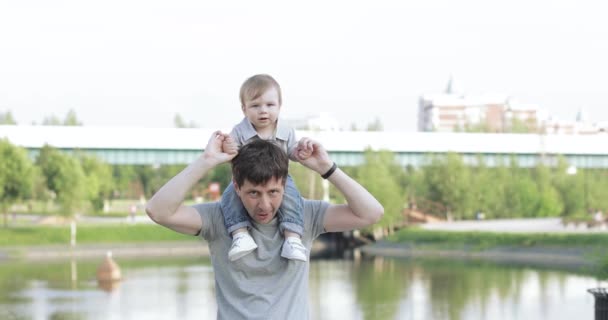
452,111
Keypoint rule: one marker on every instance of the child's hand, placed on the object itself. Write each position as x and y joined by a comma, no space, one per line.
229,146
303,150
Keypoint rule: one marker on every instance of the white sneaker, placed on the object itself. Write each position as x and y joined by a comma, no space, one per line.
294,249
242,245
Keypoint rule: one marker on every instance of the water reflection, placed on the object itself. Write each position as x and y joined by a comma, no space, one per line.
339,289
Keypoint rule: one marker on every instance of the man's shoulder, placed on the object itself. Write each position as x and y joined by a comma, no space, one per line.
208,207
314,216
211,215
311,206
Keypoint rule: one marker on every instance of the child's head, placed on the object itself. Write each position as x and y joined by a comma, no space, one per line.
261,101
256,86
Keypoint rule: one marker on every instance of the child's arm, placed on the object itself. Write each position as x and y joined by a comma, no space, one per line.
293,148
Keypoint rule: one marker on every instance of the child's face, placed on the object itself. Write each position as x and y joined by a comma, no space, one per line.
263,111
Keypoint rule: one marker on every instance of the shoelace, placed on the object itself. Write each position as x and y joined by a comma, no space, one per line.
297,245
237,243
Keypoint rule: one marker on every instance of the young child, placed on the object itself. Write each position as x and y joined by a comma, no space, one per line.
261,104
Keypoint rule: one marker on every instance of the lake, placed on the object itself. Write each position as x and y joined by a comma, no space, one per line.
368,288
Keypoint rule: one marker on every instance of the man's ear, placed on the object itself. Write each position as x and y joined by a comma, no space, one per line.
243,108
236,186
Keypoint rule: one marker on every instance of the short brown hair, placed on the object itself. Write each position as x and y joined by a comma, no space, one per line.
258,162
256,85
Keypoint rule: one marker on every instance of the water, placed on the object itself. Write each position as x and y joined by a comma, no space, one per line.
379,288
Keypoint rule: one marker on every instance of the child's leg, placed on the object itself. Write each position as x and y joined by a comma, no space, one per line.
291,223
235,219
291,220
236,222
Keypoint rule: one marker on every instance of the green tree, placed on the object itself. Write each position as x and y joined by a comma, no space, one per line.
51,120
377,175
125,180
521,192
64,177
570,188
7,118
179,122
71,119
375,125
449,183
146,176
521,126
16,176
549,202
98,180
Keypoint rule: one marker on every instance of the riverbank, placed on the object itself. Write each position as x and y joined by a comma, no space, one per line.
555,257
166,249
98,251
584,252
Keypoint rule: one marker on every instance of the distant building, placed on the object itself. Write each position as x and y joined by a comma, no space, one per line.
581,125
452,111
323,122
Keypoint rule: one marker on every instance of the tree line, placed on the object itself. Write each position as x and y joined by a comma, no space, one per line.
445,185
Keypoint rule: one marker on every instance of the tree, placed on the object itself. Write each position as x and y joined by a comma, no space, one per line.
51,120
523,126
64,177
179,122
126,182
7,118
16,176
376,125
449,183
70,120
98,180
549,203
377,175
571,189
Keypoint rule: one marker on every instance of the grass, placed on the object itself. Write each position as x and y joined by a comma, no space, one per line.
593,244
48,235
481,240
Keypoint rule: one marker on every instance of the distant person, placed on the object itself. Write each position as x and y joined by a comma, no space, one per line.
261,285
261,102
598,216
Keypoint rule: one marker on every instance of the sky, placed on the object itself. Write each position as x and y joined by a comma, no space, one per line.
138,63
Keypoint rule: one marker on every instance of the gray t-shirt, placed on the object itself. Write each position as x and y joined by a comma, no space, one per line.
284,137
262,284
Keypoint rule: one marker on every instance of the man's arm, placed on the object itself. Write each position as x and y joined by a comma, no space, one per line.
166,208
361,210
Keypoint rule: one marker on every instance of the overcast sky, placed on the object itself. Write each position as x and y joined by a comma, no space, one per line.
121,62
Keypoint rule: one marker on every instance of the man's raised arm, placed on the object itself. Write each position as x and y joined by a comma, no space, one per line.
166,207
362,208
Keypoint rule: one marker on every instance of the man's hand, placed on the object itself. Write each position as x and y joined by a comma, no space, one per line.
312,155
214,151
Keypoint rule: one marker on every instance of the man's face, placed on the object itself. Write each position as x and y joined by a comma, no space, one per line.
261,201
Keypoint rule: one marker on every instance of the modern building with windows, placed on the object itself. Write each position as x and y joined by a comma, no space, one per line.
158,146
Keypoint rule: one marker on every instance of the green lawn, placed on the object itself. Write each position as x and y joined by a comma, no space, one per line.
482,240
45,235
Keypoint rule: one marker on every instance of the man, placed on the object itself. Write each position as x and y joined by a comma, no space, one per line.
261,285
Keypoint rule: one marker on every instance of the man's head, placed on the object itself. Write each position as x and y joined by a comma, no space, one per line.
259,172
261,100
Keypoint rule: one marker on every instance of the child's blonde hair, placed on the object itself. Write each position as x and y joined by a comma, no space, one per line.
256,85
